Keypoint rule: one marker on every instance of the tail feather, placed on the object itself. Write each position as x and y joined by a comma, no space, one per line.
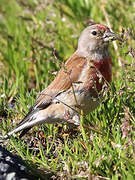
24,132
28,116
25,125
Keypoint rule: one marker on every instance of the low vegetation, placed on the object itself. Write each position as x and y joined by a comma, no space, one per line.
36,37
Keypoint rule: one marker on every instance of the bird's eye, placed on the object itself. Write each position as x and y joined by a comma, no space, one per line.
94,33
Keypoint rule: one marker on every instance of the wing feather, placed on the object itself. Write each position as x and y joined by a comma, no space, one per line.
68,74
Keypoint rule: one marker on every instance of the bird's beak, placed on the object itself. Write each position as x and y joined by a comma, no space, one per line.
110,36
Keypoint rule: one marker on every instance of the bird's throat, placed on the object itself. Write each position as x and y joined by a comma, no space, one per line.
99,53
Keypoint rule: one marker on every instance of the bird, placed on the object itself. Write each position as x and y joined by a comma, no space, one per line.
78,86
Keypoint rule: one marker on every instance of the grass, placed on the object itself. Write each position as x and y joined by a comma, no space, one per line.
35,38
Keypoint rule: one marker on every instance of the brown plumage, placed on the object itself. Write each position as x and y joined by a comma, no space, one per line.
69,74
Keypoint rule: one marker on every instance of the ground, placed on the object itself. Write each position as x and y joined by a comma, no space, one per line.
36,37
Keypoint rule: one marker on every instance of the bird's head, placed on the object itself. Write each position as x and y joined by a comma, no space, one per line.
95,38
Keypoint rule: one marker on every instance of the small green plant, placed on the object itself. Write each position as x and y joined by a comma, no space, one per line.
35,38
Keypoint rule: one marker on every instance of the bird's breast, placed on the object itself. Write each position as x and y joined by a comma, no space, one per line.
99,72
105,68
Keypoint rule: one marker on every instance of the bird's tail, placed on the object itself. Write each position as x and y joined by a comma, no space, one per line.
25,125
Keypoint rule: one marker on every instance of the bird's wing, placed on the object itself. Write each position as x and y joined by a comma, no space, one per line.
68,74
